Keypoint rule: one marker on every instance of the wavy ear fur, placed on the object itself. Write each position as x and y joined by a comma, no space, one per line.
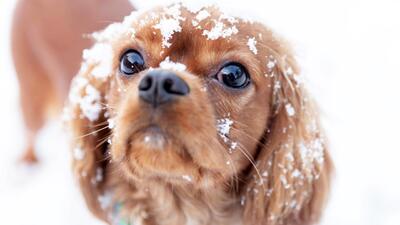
294,165
88,124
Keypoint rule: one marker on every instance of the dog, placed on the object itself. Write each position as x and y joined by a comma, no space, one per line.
193,116
47,42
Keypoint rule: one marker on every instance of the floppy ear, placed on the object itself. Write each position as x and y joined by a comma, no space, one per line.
88,126
293,177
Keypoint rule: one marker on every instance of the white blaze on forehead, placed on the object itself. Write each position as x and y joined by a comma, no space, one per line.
169,24
252,45
167,64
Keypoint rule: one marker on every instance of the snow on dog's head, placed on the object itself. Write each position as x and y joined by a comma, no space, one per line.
195,104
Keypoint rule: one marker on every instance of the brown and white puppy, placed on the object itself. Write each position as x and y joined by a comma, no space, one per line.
47,42
196,117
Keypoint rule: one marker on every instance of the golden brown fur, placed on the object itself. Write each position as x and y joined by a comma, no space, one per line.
47,42
279,172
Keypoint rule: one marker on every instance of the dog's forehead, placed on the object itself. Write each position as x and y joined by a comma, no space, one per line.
177,30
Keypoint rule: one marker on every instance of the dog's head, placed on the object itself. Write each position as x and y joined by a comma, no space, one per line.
201,100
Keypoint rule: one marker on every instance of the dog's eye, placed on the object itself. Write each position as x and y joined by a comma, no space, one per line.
131,62
234,75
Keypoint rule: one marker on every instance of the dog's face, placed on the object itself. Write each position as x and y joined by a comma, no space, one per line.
188,108
200,100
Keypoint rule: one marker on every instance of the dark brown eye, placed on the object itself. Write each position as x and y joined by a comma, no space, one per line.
131,62
234,75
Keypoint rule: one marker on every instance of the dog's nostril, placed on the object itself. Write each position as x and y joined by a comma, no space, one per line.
168,85
146,83
175,85
160,86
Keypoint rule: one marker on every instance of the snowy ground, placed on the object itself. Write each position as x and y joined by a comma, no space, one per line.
349,50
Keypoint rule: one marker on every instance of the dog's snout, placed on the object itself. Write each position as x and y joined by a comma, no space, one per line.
159,87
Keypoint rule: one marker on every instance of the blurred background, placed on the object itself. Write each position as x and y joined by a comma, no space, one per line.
349,51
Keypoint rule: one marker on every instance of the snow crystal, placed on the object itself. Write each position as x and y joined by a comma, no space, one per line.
277,86
111,123
252,45
313,151
99,175
233,146
289,71
105,200
296,173
242,200
168,26
264,174
318,150
169,65
90,103
78,154
290,157
271,62
224,127
290,110
100,55
187,178
284,181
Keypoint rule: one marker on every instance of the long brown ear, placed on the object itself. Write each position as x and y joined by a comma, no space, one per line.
294,166
88,126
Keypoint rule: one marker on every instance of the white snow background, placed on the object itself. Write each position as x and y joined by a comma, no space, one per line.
348,49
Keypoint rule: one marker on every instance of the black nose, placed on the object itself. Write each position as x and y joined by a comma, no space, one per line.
160,86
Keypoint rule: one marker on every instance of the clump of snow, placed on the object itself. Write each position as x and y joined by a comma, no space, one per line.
289,71
312,152
284,181
105,200
224,127
101,56
203,14
167,64
169,24
296,173
220,30
111,123
99,175
290,110
187,178
78,154
110,32
90,103
252,45
271,63
233,146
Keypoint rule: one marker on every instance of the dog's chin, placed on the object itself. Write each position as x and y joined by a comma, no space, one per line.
153,153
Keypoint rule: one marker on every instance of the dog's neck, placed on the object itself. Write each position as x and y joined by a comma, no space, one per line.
161,203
